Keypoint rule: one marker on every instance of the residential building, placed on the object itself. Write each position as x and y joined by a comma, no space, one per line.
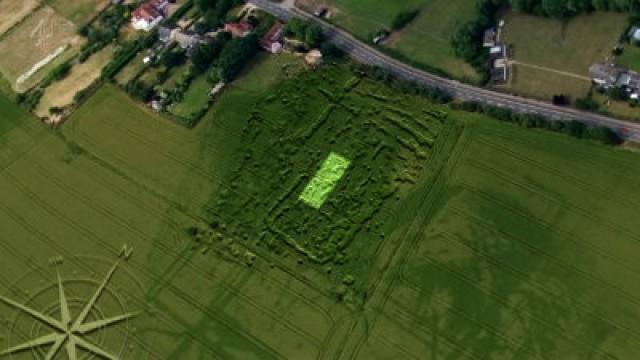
149,14
605,75
490,38
314,57
498,64
271,40
237,30
634,33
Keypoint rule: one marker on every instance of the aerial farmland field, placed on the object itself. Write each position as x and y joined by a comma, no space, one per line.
80,12
35,45
445,235
13,11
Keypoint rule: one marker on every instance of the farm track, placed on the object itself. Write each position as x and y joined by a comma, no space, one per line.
561,204
169,252
557,260
504,304
113,250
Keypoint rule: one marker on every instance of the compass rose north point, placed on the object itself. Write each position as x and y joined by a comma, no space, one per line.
68,332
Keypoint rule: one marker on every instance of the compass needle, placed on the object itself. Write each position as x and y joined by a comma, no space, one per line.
92,326
93,349
44,340
64,306
85,312
69,333
70,347
55,348
35,314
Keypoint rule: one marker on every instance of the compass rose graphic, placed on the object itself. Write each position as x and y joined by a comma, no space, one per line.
68,332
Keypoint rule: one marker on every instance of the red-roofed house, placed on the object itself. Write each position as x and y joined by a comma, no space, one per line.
238,29
149,14
271,40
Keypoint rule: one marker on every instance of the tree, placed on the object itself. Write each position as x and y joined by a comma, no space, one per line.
296,28
313,36
403,18
618,94
204,54
560,100
587,104
173,58
235,55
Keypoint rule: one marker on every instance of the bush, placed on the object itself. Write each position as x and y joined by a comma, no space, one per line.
403,18
587,104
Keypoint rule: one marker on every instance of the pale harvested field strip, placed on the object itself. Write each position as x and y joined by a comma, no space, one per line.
13,12
61,93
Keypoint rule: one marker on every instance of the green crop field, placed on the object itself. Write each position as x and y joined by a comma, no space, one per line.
449,235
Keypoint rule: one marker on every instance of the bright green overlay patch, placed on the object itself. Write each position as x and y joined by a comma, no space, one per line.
325,180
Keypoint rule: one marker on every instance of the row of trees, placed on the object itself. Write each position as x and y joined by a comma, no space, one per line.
467,40
104,30
214,12
563,9
573,128
310,34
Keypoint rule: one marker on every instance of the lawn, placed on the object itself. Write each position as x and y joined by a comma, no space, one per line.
570,47
424,41
364,17
195,99
630,58
61,93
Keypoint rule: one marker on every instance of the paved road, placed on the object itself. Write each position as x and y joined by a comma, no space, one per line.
369,55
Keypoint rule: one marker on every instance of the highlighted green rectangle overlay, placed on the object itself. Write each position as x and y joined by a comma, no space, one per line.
319,188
